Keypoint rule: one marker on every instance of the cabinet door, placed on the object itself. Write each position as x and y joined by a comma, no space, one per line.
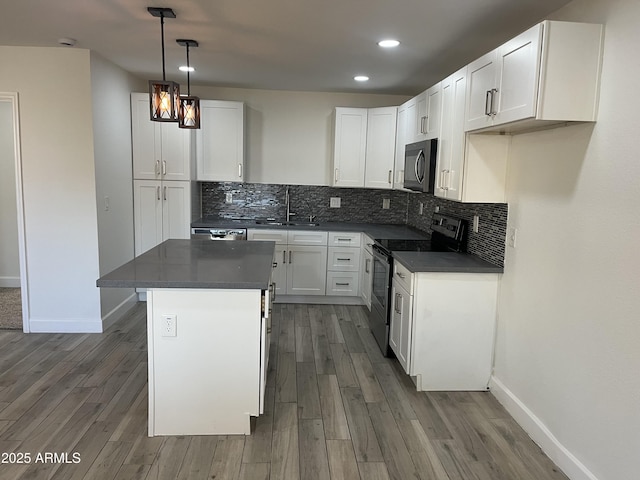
421,117
279,273
146,141
176,210
430,126
306,270
451,143
381,147
517,85
401,141
350,144
175,159
411,135
220,141
401,325
481,81
343,259
147,212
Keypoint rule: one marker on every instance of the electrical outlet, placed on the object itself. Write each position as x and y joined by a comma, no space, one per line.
512,234
421,209
228,198
106,203
169,327
476,223
437,209
386,203
334,202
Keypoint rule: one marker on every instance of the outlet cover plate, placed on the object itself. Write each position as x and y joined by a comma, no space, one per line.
334,202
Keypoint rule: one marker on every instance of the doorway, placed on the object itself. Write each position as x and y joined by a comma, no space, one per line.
14,300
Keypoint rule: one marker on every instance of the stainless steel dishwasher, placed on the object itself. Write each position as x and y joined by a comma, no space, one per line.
219,233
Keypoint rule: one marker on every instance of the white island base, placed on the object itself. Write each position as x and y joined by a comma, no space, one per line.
209,378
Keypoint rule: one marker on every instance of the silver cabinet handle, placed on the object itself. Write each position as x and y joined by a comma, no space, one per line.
342,284
366,265
240,170
274,265
290,256
401,275
164,167
390,179
494,112
284,256
158,191
157,167
423,124
343,239
335,175
487,103
343,259
165,193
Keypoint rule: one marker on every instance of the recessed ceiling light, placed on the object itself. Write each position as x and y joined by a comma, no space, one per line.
184,68
361,78
389,43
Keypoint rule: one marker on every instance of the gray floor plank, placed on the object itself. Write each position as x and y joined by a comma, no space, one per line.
342,460
308,395
227,459
363,436
314,464
333,415
345,372
285,464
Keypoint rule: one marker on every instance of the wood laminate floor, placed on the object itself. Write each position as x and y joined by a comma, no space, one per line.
336,409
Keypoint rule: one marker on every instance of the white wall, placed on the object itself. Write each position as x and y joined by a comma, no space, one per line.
54,91
111,88
289,135
568,346
9,265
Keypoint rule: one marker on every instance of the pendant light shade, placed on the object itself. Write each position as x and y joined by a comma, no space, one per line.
189,113
164,95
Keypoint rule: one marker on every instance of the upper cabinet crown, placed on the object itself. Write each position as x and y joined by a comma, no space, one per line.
161,151
220,141
549,74
364,147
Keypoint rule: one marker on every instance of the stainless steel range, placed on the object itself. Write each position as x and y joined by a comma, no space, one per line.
449,235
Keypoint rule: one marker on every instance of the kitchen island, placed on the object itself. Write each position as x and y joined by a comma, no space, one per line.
208,330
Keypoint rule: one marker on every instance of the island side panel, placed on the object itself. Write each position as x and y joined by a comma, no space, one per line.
206,379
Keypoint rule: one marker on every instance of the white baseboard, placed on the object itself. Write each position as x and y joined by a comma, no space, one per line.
318,299
539,433
10,282
116,313
44,325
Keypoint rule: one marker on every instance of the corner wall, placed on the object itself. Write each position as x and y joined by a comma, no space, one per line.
111,89
568,345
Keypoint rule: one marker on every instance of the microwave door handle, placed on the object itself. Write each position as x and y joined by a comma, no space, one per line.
415,166
419,176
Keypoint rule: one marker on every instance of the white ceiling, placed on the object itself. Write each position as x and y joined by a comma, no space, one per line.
281,44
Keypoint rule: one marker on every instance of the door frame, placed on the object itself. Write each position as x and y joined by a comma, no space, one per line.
12,98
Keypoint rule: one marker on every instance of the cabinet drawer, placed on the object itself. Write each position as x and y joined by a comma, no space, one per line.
348,239
342,283
342,259
403,277
278,236
306,237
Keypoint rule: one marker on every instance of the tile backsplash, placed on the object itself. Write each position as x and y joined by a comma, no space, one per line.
261,201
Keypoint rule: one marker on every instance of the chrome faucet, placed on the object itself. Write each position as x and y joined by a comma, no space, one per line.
287,200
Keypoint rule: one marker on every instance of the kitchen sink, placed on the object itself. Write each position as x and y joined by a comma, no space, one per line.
291,224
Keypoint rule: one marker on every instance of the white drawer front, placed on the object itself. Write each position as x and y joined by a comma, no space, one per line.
342,283
306,237
345,239
278,236
403,276
343,259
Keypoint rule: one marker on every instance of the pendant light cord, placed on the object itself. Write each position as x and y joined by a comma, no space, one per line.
188,73
162,35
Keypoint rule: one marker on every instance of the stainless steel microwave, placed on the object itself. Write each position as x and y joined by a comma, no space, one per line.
420,165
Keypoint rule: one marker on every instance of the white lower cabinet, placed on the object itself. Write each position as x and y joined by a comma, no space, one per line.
443,326
343,263
162,210
366,277
300,258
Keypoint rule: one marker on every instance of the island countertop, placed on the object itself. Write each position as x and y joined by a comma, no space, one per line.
197,264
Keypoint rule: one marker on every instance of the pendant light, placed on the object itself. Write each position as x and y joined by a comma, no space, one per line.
164,96
189,112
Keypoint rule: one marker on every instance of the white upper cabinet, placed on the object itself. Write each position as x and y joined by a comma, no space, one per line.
451,143
381,147
423,115
364,147
220,141
401,137
350,144
161,150
548,74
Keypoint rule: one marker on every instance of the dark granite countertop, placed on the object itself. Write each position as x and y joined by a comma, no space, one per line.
197,264
445,262
374,230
